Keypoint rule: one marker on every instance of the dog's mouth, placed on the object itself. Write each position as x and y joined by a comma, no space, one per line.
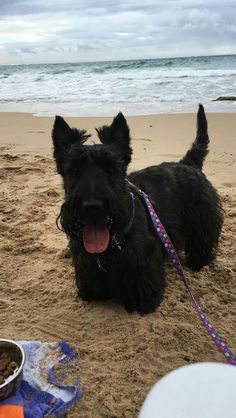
96,236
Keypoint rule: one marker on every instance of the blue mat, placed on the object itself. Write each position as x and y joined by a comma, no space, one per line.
40,394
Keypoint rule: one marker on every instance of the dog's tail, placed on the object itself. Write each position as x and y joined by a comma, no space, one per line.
199,149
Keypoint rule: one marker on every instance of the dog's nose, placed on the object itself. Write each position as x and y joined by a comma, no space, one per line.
96,204
92,207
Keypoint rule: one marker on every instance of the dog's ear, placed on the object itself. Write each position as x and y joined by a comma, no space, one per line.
63,138
117,135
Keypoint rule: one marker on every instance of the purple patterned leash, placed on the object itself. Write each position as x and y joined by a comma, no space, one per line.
224,349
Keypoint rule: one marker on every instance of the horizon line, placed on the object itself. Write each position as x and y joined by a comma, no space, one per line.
118,60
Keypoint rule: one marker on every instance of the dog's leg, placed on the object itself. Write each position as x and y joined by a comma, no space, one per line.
201,244
203,227
143,283
143,293
199,250
90,281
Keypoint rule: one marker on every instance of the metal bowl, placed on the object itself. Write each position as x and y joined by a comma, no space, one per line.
12,383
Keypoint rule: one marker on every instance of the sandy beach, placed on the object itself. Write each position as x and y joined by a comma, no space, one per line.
121,355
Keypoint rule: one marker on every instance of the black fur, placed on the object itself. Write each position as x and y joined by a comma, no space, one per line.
96,190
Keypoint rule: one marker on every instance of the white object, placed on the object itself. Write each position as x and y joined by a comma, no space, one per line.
201,390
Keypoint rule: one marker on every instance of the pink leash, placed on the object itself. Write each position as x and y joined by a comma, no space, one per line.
219,342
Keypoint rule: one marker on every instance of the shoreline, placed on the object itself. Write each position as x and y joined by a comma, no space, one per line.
126,115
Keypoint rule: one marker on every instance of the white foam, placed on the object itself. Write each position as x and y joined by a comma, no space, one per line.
105,88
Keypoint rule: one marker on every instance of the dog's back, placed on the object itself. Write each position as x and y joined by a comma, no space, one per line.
187,203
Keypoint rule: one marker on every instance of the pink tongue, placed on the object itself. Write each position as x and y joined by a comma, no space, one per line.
96,237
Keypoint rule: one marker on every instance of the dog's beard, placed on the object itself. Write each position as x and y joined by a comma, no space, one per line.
93,232
67,220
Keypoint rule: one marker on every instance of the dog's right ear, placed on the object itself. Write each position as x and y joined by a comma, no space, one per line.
117,135
63,138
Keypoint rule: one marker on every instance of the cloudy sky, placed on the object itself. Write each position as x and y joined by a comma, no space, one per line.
35,31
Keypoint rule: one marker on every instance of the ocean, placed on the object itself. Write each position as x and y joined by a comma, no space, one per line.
135,87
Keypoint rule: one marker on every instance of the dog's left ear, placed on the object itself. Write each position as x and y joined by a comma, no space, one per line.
117,135
63,138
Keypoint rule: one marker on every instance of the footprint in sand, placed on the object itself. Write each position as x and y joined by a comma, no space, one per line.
13,168
7,210
50,192
9,157
5,148
22,169
37,216
31,169
232,213
4,304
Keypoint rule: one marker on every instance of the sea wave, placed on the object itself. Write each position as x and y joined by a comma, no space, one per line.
134,86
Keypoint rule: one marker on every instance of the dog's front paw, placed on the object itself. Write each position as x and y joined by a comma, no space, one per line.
142,308
142,299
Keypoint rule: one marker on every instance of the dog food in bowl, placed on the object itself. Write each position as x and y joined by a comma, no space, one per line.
12,358
7,366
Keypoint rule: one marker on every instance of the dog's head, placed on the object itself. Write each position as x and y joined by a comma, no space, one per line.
96,203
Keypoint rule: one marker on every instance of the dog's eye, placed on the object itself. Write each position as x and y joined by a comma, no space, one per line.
74,168
80,158
75,163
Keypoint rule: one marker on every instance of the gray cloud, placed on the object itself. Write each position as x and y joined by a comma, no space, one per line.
9,7
73,30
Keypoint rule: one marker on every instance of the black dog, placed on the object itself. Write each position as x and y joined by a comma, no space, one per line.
115,249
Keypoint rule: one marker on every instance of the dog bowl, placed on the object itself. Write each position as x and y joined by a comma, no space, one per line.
12,358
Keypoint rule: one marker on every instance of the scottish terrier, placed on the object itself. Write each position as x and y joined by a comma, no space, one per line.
116,252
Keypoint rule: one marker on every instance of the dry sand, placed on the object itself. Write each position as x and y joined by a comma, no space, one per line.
120,355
